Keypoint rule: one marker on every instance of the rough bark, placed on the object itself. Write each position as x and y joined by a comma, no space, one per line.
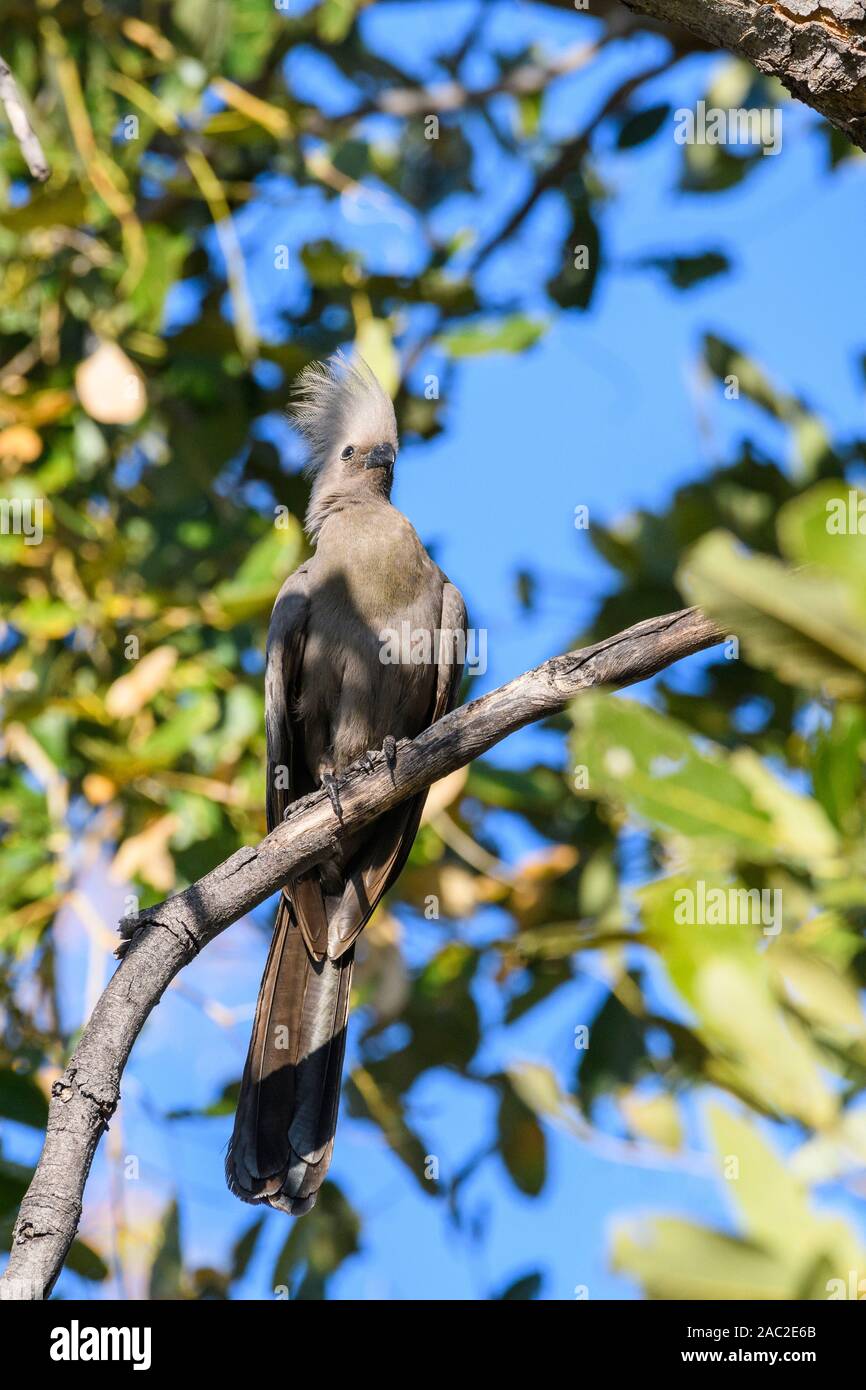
817,48
160,941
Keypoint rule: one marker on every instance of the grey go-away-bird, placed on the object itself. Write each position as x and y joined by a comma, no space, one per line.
330,699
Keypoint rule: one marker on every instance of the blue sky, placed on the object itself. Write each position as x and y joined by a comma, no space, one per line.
604,411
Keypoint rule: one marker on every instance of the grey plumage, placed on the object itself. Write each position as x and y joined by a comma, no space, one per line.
329,700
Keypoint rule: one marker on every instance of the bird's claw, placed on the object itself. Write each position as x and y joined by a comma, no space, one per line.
389,748
367,763
329,782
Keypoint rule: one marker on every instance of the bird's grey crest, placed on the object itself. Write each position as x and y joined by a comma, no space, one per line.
341,402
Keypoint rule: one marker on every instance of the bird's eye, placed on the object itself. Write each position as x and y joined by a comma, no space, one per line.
348,451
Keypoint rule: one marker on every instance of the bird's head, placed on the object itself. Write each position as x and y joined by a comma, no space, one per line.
349,424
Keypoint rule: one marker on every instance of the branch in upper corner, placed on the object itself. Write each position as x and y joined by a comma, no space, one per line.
816,48
163,939
23,131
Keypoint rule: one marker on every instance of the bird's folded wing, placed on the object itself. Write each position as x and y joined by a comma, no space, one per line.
288,775
287,636
380,860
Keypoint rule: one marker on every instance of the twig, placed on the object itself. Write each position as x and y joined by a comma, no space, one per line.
569,158
161,940
23,131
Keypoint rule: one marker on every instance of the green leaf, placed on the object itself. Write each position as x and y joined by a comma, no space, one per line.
773,1204
318,1244
756,1048
819,993
521,1142
226,1103
637,756
334,19
724,361
514,334
14,1181
244,1249
684,272
675,1259
527,1286
257,582
537,788
167,252
66,207
252,32
838,754
826,526
166,1271
86,1262
573,285
714,168
374,342
804,626
616,1055
207,24
21,1099
170,740
802,831
45,618
537,1087
641,126
367,1098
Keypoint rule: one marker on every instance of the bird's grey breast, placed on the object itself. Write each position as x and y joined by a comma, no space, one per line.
368,672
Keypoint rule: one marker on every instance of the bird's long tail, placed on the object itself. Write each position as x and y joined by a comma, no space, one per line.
283,1137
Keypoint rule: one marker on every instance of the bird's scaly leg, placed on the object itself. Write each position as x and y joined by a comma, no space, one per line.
329,782
389,748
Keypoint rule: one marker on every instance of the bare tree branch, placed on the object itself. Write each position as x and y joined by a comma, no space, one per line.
526,79
569,158
21,127
817,48
160,941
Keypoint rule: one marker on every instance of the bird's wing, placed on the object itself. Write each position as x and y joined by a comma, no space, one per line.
287,1107
452,660
288,775
380,860
287,635
449,674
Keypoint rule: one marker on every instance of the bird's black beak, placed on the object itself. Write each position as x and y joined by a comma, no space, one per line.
381,456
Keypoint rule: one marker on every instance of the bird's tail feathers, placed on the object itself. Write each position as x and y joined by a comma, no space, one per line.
280,1149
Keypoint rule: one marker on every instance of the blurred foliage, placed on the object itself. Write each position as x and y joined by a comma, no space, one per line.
136,399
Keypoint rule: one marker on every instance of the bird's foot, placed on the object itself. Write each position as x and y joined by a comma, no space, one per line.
329,782
367,763
389,748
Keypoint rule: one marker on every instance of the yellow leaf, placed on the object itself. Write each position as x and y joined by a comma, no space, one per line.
373,342
656,1118
261,112
443,793
98,789
21,443
146,855
132,692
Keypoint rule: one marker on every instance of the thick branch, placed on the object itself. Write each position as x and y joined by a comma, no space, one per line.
163,939
23,131
817,48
